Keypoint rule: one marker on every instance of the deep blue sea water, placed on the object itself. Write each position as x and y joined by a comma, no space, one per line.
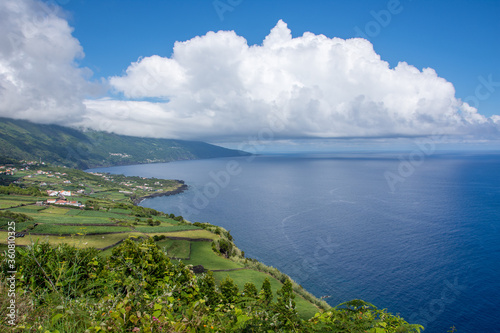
421,239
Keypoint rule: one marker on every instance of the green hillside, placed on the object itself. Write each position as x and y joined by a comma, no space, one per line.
91,261
23,140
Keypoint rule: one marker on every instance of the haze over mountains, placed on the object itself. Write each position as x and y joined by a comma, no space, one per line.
20,139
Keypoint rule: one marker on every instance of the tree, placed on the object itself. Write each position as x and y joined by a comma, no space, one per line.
208,289
285,307
266,294
249,290
225,247
229,290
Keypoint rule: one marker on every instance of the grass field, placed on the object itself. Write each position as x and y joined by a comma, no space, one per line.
202,254
60,219
155,229
57,210
97,241
176,248
119,211
191,244
22,198
192,234
20,226
11,203
68,229
7,201
4,203
166,220
110,195
28,209
93,213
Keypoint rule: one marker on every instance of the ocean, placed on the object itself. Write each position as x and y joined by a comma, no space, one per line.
416,233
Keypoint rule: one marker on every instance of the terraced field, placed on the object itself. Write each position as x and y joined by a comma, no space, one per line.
104,224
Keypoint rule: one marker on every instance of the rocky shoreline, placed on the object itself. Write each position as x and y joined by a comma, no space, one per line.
178,190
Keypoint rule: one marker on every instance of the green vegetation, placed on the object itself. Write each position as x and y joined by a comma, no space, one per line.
139,289
112,266
55,229
11,189
81,241
174,248
10,215
305,308
23,140
202,254
166,228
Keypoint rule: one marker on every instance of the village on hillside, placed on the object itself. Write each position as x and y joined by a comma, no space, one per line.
64,186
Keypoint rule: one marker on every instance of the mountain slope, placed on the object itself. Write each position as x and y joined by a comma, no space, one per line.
20,139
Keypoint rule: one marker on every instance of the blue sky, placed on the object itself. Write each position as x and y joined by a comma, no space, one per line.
459,39
290,71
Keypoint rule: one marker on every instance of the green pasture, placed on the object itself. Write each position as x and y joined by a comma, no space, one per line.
25,198
61,219
7,201
119,211
166,220
32,209
56,210
163,219
111,196
67,229
175,248
107,252
202,254
192,234
173,228
20,226
95,213
97,241
163,224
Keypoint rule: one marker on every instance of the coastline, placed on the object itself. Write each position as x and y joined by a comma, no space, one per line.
239,257
178,190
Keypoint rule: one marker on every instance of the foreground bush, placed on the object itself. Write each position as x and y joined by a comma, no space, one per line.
138,289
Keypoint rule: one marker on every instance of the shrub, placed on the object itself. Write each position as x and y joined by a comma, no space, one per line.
61,269
229,290
137,288
225,247
249,290
12,216
266,294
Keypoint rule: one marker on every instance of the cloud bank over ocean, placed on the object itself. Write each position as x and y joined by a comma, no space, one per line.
217,87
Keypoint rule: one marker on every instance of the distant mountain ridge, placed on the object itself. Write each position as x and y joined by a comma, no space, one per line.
24,140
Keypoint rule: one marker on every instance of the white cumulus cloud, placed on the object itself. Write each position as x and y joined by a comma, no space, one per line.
217,87
39,79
